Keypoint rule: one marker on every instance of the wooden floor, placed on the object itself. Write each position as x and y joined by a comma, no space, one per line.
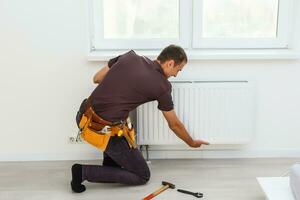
218,179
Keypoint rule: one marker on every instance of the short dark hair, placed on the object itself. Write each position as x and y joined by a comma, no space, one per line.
172,52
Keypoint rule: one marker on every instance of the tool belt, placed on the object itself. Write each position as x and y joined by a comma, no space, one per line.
97,131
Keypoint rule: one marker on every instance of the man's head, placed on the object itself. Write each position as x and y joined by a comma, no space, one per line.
172,59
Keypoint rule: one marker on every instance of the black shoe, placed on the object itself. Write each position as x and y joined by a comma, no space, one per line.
77,179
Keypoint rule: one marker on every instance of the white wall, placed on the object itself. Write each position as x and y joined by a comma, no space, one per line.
44,75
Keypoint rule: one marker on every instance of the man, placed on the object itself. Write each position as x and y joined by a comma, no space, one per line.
126,82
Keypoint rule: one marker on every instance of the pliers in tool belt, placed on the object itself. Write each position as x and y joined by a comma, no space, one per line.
106,130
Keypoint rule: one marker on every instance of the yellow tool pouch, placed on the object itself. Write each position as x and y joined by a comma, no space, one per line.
94,137
99,135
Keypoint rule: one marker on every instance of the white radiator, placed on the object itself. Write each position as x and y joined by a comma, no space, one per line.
221,112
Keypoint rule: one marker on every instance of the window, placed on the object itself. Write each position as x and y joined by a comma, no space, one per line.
142,19
193,24
239,19
121,24
240,23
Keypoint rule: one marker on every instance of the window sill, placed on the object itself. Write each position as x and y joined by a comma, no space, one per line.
105,55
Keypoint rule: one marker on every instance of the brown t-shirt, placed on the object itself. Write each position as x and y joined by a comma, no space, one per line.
131,81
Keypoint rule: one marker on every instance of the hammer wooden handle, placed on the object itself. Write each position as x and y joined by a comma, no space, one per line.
157,192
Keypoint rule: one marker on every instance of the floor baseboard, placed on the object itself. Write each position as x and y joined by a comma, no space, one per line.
162,154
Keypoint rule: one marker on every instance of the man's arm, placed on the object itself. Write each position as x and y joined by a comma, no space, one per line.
101,74
178,128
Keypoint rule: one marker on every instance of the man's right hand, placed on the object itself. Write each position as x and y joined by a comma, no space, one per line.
198,143
178,128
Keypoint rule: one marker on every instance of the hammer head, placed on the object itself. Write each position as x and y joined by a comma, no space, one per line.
172,186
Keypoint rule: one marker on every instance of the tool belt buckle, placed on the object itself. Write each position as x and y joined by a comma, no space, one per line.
106,130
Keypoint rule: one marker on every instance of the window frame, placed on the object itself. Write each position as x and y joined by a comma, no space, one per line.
99,43
281,41
189,29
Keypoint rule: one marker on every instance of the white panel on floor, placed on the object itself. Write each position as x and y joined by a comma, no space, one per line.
276,188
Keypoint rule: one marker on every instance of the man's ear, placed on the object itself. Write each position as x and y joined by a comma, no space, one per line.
171,63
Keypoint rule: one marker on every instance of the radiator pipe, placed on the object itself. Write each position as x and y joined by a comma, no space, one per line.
147,151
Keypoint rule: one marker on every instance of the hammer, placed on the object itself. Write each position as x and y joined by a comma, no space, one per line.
165,185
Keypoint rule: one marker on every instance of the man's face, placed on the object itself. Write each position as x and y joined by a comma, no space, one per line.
172,69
